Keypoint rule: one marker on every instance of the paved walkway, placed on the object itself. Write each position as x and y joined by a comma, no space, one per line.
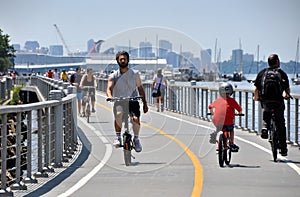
177,160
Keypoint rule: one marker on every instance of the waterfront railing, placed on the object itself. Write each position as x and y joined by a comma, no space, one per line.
193,100
36,138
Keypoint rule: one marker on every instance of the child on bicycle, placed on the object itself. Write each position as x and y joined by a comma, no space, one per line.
223,111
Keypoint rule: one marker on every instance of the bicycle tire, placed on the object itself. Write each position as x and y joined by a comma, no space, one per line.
274,142
227,155
221,150
88,113
127,147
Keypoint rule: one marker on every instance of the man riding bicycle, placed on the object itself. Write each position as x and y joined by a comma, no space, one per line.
223,111
126,83
275,103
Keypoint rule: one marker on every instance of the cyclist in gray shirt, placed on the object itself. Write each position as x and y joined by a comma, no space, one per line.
126,83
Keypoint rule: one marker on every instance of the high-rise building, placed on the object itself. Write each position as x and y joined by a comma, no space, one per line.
56,50
17,47
32,46
237,57
206,59
145,50
165,46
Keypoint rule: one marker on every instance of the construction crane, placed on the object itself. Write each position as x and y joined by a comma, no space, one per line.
62,39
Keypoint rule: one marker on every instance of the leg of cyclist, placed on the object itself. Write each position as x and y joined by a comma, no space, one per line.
280,127
118,113
84,99
267,115
93,99
134,110
232,145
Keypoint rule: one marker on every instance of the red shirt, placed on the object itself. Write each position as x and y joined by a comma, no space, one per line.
224,111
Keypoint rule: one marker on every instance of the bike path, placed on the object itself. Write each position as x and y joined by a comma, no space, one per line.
177,160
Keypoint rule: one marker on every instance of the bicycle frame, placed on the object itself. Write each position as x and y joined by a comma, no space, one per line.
88,105
224,152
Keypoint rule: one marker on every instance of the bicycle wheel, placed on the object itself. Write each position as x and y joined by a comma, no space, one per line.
88,113
274,143
221,150
227,151
127,147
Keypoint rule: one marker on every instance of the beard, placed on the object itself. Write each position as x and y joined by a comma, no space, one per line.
123,65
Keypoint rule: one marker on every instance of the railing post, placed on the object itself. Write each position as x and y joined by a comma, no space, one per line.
4,191
18,185
73,90
58,109
29,178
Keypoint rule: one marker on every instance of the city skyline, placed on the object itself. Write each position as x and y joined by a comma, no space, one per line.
273,25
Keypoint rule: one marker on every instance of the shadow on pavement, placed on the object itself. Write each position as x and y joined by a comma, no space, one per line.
82,157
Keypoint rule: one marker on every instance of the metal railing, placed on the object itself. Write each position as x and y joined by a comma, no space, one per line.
193,100
36,138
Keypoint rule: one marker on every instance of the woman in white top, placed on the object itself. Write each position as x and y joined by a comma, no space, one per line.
162,80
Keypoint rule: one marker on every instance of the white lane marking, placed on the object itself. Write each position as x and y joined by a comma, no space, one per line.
292,165
96,169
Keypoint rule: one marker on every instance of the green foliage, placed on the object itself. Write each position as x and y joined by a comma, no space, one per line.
6,52
15,99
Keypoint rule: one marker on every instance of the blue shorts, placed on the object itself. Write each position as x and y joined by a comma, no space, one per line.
79,95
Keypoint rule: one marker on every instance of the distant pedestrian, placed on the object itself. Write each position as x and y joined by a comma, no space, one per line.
56,74
64,76
75,81
160,82
49,74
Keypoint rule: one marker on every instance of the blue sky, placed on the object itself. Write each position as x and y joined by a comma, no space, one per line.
272,24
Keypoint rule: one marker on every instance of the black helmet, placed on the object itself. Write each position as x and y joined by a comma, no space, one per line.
225,88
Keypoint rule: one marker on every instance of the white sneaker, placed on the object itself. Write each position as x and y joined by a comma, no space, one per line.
137,145
117,142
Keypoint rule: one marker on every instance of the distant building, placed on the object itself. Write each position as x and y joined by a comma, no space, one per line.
248,58
145,50
206,59
17,47
237,57
165,46
32,46
56,50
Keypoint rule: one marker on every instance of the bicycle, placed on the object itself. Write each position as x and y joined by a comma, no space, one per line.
127,142
89,91
224,149
273,133
274,139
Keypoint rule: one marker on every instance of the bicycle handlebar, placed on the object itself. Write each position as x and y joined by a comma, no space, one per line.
114,99
234,114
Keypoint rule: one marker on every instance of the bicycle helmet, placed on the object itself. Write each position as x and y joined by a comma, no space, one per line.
225,88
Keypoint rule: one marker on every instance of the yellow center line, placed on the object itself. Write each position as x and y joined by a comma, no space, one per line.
198,180
198,176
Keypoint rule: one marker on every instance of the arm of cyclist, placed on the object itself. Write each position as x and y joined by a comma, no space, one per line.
109,89
142,93
287,94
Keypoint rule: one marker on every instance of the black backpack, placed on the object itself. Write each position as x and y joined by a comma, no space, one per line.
271,85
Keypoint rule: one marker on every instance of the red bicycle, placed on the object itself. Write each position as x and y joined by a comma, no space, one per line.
224,149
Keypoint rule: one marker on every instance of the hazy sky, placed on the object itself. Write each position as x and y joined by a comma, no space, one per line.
274,25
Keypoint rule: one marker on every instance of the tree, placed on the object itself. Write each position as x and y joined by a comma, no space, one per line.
6,52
